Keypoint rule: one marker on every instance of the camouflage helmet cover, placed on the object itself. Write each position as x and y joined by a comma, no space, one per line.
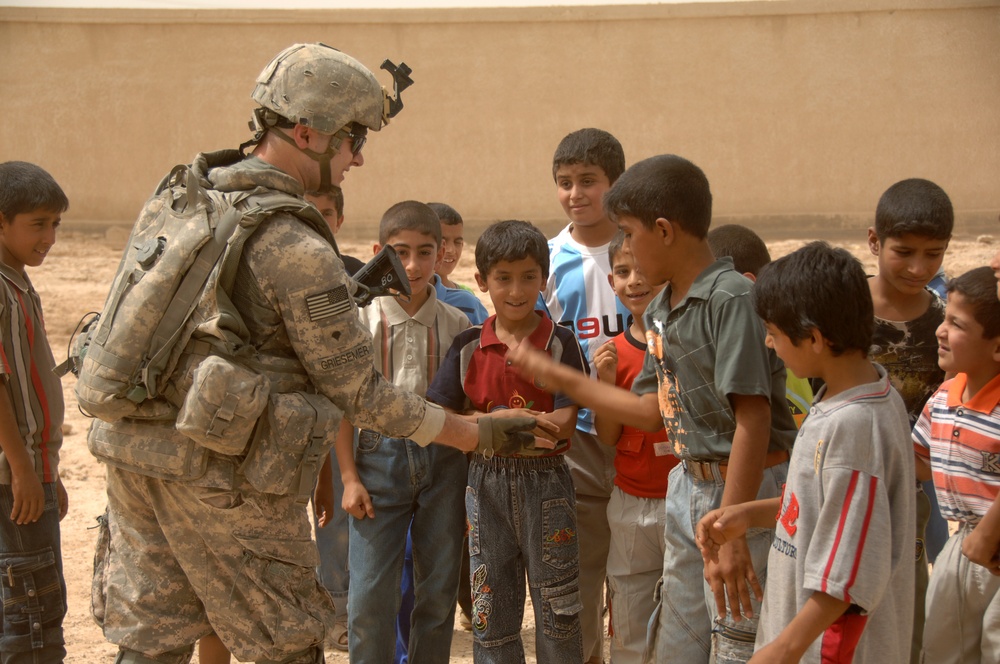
317,86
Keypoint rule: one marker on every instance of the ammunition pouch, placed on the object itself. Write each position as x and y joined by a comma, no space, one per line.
223,404
290,442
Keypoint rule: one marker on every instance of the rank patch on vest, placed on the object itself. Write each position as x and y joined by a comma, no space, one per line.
328,303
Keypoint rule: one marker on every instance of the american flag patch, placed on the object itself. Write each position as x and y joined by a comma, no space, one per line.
328,303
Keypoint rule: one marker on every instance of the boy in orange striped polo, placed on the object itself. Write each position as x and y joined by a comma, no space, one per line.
957,440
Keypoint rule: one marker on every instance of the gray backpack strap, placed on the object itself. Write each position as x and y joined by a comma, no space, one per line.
183,303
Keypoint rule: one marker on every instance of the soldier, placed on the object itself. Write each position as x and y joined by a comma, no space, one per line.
230,550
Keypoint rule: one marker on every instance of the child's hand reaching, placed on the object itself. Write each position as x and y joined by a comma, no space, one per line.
718,527
606,362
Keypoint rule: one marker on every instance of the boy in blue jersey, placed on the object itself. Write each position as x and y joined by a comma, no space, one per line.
577,295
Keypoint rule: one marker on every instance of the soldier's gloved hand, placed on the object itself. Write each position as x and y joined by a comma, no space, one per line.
507,436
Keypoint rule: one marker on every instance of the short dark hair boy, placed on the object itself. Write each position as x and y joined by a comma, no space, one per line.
913,225
25,187
663,187
957,439
475,376
843,315
511,240
409,216
31,491
915,206
978,288
585,165
591,146
716,388
746,248
849,500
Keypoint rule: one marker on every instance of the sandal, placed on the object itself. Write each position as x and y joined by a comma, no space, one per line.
339,640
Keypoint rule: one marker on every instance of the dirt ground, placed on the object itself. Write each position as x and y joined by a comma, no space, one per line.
74,280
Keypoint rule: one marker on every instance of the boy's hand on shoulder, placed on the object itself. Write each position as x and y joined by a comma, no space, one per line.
982,550
29,497
718,527
63,498
356,501
733,578
606,362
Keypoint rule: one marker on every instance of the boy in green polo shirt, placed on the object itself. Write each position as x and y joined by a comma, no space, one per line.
719,391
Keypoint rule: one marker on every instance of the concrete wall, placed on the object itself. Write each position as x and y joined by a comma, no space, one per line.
800,110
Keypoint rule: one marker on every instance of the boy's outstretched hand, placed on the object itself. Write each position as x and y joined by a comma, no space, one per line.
720,538
534,365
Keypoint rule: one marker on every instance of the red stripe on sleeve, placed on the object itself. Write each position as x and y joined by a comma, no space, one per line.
869,510
840,529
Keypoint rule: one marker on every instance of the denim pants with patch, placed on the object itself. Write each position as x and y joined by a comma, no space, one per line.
522,519
685,627
34,590
406,483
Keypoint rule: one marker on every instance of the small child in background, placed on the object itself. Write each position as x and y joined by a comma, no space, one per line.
521,510
452,243
32,498
913,224
840,571
958,437
392,486
331,206
750,255
636,511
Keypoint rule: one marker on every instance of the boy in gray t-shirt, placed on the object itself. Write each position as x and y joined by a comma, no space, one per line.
840,570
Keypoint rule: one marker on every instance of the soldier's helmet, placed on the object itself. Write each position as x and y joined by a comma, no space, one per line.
317,86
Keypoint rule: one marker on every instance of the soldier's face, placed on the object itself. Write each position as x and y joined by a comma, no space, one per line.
342,160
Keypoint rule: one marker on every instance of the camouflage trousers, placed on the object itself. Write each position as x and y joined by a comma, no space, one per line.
184,560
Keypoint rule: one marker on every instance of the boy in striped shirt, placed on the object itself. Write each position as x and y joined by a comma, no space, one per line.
32,497
840,570
957,440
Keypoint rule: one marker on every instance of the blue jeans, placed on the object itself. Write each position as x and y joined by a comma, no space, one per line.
34,590
684,627
522,518
406,483
333,542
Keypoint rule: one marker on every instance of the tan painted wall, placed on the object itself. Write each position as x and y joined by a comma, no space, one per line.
799,109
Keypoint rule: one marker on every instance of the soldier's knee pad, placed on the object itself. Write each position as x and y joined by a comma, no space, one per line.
178,656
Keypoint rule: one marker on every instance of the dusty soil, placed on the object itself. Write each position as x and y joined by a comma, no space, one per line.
74,280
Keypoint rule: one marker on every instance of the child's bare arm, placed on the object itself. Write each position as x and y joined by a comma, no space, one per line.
356,500
923,467
734,575
642,412
982,545
817,614
29,497
564,418
727,523
323,494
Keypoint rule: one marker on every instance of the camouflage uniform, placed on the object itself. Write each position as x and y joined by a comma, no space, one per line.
216,553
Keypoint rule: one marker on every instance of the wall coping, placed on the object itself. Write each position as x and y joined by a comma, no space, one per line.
686,10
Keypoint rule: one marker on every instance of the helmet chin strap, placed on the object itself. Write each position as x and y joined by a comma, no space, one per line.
323,158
